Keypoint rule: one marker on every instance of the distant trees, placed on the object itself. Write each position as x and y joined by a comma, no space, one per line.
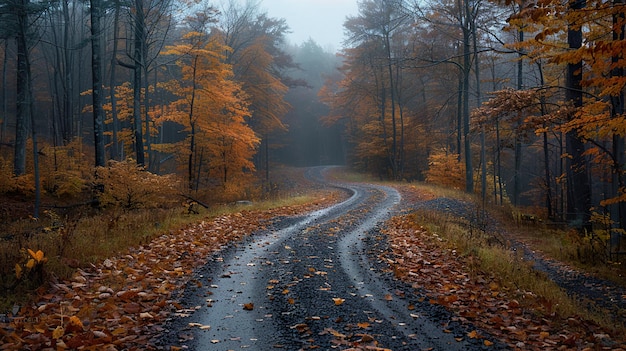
220,96
231,97
414,72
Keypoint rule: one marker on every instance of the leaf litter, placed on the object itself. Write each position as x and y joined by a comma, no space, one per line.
122,302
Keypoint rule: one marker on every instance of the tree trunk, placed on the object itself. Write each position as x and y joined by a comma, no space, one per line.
139,32
392,95
115,152
517,182
96,75
618,210
5,108
578,186
483,153
23,112
459,114
469,176
146,106
192,125
68,90
36,171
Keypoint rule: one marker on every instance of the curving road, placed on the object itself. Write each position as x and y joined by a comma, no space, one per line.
312,283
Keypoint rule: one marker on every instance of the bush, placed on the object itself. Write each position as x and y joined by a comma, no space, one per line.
445,169
128,186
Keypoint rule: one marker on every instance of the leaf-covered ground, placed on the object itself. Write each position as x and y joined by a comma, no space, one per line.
517,317
122,303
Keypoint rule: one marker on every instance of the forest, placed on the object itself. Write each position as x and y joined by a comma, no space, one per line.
129,104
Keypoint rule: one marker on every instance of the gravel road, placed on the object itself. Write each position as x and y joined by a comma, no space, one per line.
312,283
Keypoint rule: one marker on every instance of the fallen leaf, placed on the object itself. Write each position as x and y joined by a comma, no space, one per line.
74,325
58,332
338,300
248,306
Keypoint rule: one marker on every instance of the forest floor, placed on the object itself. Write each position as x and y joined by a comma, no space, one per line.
125,302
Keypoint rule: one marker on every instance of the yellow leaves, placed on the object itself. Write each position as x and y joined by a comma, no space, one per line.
58,332
37,256
473,334
74,324
444,168
338,301
36,259
363,325
18,271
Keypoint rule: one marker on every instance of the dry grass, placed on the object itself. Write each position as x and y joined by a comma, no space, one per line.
485,253
69,244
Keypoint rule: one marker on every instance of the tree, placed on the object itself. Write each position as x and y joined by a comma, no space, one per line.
212,107
97,91
21,10
377,31
258,62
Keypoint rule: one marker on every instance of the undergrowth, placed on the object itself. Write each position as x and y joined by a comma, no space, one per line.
506,265
134,207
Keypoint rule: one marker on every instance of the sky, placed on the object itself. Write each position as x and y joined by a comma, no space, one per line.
320,20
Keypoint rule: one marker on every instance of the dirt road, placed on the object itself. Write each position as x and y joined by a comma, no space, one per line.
311,283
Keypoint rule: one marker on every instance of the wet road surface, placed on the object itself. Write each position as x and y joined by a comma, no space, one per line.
309,283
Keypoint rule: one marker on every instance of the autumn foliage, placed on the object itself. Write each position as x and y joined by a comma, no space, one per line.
446,169
127,186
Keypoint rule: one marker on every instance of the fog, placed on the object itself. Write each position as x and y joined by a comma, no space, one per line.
320,20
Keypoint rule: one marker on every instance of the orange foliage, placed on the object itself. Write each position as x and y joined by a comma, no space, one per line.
128,186
213,109
445,169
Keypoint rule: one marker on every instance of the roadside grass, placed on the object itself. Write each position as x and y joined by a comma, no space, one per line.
485,253
569,246
71,244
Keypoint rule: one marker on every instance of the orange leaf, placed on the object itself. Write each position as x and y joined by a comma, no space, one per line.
473,334
338,300
18,271
74,325
58,332
248,306
37,256
487,343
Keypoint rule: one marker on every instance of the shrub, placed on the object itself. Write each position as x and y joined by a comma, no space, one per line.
445,169
128,186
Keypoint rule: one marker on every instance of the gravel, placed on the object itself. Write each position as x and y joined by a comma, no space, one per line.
313,282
